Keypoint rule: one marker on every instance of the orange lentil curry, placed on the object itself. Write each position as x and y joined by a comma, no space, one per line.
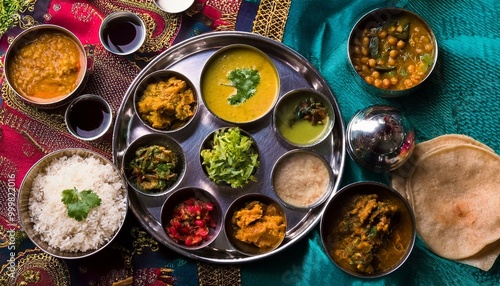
47,68
395,55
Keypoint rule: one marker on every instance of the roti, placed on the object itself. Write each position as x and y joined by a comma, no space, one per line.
456,199
398,180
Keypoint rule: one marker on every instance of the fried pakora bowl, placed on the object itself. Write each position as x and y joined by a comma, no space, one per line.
46,66
166,101
368,229
154,164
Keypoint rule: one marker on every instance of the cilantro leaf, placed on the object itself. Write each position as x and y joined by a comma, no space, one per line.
78,203
245,81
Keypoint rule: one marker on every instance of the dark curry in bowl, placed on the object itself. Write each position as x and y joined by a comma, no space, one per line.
368,229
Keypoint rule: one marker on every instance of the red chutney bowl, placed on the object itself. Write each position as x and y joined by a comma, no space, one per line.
191,218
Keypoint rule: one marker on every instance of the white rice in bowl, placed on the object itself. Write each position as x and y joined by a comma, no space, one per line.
49,214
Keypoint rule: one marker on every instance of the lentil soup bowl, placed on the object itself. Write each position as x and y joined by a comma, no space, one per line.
392,51
47,77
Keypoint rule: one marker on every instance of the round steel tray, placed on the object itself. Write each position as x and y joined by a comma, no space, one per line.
188,57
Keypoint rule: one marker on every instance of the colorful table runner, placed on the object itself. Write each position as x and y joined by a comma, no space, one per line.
462,96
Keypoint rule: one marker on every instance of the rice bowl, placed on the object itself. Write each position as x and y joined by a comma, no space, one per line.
45,217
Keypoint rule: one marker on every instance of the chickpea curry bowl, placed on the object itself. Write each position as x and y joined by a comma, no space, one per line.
166,101
392,50
368,229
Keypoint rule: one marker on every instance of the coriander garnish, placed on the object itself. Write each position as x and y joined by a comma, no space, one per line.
78,203
245,81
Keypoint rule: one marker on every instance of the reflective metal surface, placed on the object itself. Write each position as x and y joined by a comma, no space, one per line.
188,57
380,138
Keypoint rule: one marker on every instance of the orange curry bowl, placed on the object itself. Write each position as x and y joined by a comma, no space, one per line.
47,66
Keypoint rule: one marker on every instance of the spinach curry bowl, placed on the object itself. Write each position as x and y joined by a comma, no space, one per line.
239,84
368,229
393,51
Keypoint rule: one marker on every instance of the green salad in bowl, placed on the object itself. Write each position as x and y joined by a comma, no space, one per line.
230,156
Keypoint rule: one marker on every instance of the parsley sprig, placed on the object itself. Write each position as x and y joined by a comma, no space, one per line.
78,203
245,81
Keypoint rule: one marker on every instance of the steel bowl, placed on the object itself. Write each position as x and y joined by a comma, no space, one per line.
24,201
96,112
223,58
231,229
126,43
148,140
158,76
27,36
285,112
208,144
181,195
380,138
174,7
370,22
293,166
335,215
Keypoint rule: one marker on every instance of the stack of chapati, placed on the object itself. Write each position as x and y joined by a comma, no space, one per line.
453,184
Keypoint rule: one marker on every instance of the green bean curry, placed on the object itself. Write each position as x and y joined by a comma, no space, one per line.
154,168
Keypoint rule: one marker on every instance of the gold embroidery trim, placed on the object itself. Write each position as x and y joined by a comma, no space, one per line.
271,18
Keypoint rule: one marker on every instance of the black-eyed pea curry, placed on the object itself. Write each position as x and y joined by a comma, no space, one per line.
395,55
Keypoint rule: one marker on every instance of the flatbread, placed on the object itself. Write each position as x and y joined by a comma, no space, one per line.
398,177
484,259
456,199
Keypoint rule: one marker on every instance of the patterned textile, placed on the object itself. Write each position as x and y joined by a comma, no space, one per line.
27,133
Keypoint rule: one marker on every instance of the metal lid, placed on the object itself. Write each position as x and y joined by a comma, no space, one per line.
380,138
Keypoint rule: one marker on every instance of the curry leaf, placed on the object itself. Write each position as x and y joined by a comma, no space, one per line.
78,203
245,81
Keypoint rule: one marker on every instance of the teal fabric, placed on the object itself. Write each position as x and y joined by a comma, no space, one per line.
462,96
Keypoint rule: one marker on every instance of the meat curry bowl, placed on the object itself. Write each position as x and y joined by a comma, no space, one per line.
393,51
239,84
368,229
46,66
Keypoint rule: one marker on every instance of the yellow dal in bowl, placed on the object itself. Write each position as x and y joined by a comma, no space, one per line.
216,90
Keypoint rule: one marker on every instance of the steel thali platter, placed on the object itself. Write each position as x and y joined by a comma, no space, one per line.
188,57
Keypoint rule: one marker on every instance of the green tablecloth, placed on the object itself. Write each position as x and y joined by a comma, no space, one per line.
462,96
